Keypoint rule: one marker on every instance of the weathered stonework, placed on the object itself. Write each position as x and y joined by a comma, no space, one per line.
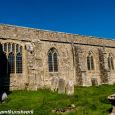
72,60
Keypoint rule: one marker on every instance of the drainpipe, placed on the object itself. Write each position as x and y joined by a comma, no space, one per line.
73,61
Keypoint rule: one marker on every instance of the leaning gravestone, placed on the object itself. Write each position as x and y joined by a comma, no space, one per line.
94,82
70,88
3,96
61,86
54,84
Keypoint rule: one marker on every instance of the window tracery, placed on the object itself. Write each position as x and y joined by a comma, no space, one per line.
14,57
110,62
52,60
90,61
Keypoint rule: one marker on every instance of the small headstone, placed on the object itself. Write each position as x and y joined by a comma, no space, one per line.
3,96
70,88
112,99
61,86
54,84
94,82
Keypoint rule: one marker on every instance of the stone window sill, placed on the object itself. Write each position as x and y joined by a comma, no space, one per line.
53,72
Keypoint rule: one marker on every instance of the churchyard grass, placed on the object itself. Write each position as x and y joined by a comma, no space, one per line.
90,100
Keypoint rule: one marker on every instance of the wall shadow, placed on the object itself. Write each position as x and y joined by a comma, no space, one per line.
4,74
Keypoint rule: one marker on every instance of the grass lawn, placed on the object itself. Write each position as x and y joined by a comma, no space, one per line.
93,100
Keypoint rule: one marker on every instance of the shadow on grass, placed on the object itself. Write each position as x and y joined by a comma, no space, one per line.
8,92
105,100
109,110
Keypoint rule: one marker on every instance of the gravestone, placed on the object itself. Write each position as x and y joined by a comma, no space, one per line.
61,86
112,99
54,84
70,88
3,96
94,82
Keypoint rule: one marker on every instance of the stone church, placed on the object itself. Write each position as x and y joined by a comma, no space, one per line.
30,58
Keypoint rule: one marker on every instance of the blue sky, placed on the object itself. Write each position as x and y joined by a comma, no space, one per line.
84,17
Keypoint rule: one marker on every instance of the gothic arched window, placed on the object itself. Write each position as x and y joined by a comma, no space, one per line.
16,48
13,48
14,57
18,63
9,47
90,61
110,62
11,63
21,49
52,60
1,49
5,47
